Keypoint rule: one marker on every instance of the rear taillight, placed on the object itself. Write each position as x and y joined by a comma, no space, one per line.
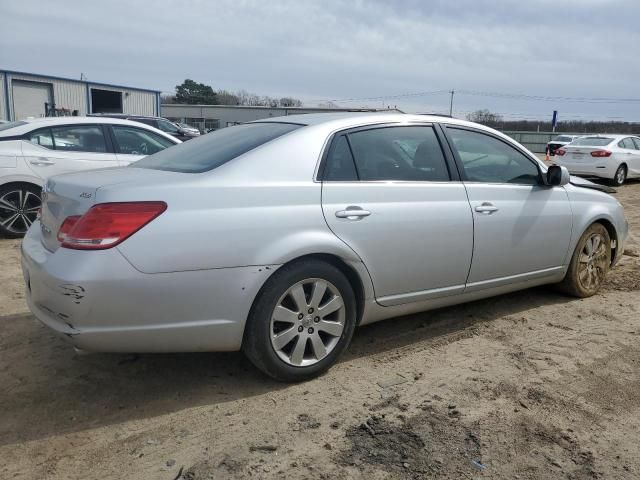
560,151
601,153
66,227
107,224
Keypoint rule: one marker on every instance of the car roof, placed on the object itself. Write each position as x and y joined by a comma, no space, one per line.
30,124
348,119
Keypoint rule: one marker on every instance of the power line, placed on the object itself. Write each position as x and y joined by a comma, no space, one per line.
515,96
549,98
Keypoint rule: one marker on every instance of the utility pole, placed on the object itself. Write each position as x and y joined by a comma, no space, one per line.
451,103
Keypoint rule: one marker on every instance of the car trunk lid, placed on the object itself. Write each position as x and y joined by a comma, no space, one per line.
75,193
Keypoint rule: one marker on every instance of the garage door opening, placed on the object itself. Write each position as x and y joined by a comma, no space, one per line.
105,101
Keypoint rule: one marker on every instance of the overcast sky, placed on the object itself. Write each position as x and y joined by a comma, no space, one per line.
338,50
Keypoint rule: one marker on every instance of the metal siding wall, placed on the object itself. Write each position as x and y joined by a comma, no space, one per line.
140,103
3,97
66,93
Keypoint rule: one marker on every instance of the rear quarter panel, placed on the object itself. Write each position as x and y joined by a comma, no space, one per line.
262,208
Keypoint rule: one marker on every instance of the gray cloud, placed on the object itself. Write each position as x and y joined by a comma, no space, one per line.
344,49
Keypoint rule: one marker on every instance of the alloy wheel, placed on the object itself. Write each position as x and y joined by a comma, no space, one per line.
593,262
621,174
18,210
307,322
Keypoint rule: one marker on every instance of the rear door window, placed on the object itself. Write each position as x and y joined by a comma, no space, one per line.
79,138
626,143
636,142
216,148
398,153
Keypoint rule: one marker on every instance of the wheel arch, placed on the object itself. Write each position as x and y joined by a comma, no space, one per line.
613,234
354,274
21,180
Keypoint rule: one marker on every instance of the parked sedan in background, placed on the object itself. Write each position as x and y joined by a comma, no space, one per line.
32,150
189,129
160,123
613,157
560,141
279,237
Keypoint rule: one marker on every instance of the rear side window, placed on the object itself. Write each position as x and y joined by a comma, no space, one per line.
636,142
42,137
216,148
340,166
79,138
398,153
135,141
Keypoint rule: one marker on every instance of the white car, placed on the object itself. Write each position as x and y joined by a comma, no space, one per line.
33,150
560,141
614,157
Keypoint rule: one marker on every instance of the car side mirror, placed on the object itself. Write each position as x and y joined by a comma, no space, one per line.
557,176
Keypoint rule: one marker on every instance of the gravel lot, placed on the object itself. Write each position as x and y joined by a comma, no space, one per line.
527,385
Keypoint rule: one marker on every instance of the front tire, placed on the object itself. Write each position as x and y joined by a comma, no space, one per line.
620,176
303,319
589,264
19,205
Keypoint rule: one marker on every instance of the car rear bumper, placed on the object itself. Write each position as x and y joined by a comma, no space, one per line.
99,302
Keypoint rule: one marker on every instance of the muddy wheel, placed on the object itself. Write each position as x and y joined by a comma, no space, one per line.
589,264
302,320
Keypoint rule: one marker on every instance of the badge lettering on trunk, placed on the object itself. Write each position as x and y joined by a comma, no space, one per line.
85,195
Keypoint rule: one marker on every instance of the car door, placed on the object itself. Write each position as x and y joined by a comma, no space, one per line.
67,148
632,156
132,143
522,228
390,193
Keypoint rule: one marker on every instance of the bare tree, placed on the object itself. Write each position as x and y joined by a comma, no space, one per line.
484,117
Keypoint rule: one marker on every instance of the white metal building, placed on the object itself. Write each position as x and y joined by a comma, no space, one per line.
206,117
24,95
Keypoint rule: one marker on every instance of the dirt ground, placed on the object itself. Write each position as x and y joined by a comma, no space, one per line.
523,386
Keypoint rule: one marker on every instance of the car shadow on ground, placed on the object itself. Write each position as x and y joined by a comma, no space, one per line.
61,392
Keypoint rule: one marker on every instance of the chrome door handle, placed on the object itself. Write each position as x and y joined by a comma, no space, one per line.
487,208
42,161
353,213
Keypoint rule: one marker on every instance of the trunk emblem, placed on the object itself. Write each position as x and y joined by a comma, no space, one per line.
85,195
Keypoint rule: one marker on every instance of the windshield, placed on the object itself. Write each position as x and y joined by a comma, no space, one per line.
563,138
167,126
592,141
214,149
7,126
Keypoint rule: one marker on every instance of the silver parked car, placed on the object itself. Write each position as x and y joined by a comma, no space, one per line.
279,237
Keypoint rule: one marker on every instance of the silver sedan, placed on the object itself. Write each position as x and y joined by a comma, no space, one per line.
279,237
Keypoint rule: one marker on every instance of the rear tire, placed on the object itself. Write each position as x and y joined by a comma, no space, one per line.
589,264
620,176
301,322
19,205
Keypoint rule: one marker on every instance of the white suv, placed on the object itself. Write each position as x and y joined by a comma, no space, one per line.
33,150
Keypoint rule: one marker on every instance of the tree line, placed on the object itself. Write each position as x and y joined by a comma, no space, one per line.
494,120
193,93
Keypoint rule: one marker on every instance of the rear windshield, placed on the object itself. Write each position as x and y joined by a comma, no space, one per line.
563,138
593,141
7,126
216,148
